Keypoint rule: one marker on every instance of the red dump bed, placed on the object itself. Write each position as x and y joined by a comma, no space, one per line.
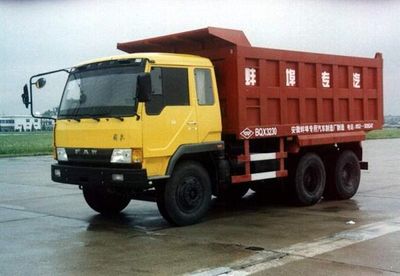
266,92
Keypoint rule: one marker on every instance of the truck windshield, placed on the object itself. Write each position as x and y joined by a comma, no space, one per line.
101,90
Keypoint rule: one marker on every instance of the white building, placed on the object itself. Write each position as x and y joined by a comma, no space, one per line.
22,123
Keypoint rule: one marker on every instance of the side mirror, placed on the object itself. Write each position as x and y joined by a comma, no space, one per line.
25,96
143,88
40,83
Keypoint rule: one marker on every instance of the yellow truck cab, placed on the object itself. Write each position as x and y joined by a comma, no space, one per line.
105,137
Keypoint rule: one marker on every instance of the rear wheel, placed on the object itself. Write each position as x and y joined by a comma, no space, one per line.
187,194
347,175
309,180
104,201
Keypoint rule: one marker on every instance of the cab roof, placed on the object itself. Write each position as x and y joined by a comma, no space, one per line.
158,58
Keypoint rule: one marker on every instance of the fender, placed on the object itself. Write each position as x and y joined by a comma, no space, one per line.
193,148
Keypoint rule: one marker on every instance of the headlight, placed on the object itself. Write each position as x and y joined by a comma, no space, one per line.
121,156
62,154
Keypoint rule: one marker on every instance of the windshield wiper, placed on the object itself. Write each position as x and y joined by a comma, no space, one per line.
104,115
117,117
120,117
93,118
72,118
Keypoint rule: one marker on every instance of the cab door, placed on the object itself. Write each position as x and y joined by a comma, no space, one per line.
169,118
207,105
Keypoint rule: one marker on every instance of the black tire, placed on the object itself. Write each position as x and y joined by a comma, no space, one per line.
309,180
187,194
347,175
105,202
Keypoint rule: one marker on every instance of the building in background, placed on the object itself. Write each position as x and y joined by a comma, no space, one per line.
24,123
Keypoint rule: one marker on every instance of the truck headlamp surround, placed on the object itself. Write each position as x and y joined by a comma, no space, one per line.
62,154
121,156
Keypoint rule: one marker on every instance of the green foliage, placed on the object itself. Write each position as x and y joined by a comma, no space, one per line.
51,113
385,133
28,143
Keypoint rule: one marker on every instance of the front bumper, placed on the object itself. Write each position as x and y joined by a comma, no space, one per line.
133,179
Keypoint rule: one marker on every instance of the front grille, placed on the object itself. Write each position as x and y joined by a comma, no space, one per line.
89,155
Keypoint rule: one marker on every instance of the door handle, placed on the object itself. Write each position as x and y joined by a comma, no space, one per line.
191,123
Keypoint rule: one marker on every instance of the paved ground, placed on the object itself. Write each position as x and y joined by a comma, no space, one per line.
46,228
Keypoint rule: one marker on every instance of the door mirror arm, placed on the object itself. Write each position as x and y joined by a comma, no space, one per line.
26,96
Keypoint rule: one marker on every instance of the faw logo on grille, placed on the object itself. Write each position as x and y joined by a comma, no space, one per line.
247,133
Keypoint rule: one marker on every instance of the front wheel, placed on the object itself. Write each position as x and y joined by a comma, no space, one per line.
104,201
187,194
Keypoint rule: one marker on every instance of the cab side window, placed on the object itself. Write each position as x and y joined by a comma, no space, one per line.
204,88
169,88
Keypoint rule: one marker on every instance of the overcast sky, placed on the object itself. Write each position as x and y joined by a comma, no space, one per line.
39,36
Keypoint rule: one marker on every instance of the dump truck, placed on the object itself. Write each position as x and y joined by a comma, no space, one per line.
203,113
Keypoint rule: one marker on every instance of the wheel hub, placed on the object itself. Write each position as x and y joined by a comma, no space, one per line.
347,176
190,193
311,179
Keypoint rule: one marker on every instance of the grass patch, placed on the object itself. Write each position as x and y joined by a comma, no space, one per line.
385,133
28,143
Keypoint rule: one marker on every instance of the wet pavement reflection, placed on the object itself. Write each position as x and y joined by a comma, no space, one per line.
46,228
